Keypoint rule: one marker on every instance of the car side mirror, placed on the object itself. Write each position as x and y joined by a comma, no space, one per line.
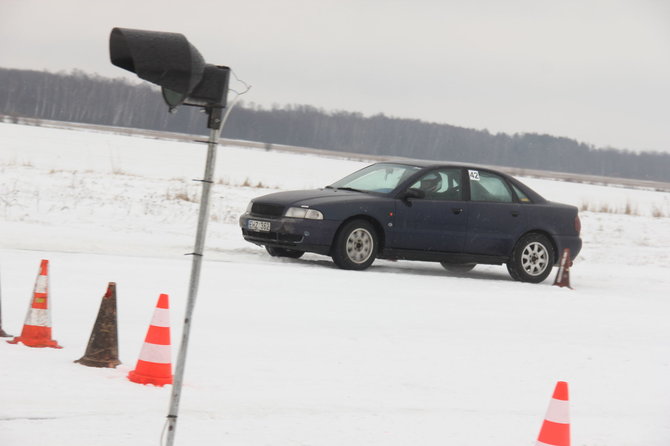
413,193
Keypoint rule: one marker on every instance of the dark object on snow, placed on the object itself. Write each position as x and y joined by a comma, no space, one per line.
103,345
457,214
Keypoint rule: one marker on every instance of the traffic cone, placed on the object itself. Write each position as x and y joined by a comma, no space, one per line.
563,275
103,345
556,427
154,366
37,327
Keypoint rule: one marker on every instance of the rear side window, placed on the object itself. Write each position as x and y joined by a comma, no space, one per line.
519,193
487,186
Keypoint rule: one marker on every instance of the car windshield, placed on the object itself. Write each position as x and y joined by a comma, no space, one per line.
380,178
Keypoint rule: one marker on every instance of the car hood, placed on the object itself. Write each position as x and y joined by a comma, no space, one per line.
312,197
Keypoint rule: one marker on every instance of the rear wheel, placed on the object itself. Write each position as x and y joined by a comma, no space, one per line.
355,245
532,259
284,252
458,268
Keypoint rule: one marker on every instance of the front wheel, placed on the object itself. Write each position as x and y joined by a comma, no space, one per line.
355,245
532,259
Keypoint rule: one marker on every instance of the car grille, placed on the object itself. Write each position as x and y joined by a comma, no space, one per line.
267,210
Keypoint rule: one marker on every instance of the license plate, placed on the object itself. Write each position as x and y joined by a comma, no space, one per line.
259,226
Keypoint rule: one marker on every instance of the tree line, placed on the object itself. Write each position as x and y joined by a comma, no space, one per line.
81,97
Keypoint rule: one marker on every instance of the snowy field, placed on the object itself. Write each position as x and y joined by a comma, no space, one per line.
298,352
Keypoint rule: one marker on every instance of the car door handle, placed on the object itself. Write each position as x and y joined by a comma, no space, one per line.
515,213
456,210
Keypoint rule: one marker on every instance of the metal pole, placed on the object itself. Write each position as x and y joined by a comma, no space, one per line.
2,332
195,279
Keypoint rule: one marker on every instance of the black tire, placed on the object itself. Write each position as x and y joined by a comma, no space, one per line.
458,268
284,252
355,245
532,259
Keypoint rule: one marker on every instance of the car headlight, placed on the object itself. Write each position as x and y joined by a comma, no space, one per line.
311,214
249,206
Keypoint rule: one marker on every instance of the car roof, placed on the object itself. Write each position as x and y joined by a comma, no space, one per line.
435,164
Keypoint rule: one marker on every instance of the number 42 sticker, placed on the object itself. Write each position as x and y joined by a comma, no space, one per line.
474,175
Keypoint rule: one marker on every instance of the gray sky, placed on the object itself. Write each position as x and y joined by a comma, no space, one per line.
597,71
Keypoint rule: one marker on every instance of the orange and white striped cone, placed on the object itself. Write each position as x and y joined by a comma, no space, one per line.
37,327
556,426
563,274
155,366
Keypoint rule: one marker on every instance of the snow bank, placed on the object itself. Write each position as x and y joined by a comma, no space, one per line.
289,352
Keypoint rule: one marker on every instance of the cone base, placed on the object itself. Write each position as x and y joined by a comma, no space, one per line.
562,285
36,343
159,381
100,363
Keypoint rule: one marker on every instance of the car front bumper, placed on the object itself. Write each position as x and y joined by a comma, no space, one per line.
294,233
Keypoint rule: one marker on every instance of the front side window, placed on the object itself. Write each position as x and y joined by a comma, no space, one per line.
487,186
441,184
381,178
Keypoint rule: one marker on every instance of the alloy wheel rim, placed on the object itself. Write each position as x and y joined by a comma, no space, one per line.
534,259
359,245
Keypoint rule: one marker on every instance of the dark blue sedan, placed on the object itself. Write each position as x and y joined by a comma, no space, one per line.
455,214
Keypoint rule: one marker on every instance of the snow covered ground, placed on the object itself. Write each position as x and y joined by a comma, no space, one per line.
297,352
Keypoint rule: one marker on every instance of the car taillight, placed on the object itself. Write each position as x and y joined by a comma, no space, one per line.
578,224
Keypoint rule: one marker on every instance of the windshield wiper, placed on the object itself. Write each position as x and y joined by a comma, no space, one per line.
349,188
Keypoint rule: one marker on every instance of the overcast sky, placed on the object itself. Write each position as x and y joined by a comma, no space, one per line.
596,71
